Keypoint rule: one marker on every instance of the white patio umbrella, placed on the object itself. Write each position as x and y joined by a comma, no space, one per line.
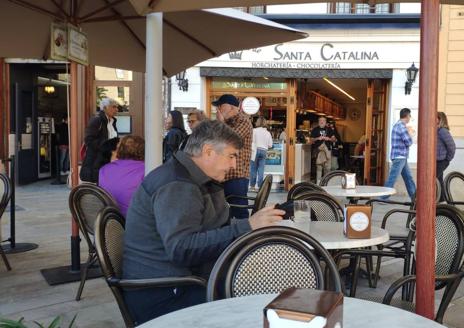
117,37
117,34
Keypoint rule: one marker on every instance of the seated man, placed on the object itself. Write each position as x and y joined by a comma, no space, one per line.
177,223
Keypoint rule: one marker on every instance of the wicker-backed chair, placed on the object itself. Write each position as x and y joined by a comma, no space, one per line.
323,206
333,178
398,237
259,201
85,201
449,236
454,189
4,200
109,231
270,260
303,187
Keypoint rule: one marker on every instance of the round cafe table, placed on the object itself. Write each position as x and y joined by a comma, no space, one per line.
247,312
360,192
330,235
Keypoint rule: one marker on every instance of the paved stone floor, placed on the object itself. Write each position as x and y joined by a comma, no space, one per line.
45,220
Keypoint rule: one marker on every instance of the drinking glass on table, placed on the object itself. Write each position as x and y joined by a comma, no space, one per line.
302,214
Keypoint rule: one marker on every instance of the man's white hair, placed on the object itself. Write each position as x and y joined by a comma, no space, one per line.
105,102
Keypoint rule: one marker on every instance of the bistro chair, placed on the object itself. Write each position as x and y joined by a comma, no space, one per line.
449,228
259,201
4,200
303,187
399,237
324,207
334,178
270,260
449,255
109,232
85,201
454,189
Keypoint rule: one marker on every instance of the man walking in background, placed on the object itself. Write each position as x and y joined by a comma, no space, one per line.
401,140
236,182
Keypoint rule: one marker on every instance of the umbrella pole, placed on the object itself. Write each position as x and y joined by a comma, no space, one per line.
426,164
75,247
153,92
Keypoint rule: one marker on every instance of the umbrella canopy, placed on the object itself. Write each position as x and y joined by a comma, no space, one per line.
116,33
146,6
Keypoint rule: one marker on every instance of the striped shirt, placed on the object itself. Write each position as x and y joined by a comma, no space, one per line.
446,147
400,141
241,124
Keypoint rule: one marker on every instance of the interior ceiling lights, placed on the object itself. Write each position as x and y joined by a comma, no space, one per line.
49,89
339,89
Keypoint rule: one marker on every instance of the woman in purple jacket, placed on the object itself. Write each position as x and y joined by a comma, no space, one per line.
123,176
446,147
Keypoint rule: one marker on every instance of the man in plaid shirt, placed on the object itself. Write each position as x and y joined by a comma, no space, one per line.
237,179
401,140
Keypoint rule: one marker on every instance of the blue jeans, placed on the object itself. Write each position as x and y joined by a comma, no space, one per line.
147,304
238,187
64,158
400,165
257,166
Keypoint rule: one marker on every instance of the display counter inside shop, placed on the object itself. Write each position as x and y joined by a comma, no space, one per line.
302,162
275,163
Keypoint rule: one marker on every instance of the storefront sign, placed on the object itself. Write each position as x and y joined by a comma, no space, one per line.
323,55
78,49
250,105
59,42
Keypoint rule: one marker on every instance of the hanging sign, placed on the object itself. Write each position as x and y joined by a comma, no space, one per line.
250,105
78,46
59,42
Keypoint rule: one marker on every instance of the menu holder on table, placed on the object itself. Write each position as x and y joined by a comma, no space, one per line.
357,224
305,308
349,181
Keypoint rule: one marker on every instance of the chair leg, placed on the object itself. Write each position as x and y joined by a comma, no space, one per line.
2,253
84,273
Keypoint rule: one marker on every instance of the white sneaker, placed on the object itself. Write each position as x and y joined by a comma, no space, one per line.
252,189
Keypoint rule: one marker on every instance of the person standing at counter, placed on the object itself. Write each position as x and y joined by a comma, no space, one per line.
322,138
262,141
236,181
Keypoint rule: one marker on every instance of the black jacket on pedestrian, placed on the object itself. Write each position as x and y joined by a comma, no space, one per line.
96,141
172,142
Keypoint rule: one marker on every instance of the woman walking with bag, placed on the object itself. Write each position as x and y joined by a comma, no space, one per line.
446,148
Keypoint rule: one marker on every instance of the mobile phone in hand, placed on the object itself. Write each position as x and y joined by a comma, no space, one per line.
288,208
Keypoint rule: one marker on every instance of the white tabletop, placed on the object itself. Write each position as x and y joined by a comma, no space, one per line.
247,312
330,235
359,191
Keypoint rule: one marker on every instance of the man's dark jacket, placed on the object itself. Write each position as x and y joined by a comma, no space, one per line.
96,135
177,223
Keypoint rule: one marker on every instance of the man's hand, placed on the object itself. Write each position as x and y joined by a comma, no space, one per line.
266,217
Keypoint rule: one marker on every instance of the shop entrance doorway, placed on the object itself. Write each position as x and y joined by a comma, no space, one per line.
277,100
356,108
38,103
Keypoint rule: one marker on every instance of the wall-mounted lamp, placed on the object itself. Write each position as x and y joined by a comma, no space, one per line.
49,89
411,74
182,82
